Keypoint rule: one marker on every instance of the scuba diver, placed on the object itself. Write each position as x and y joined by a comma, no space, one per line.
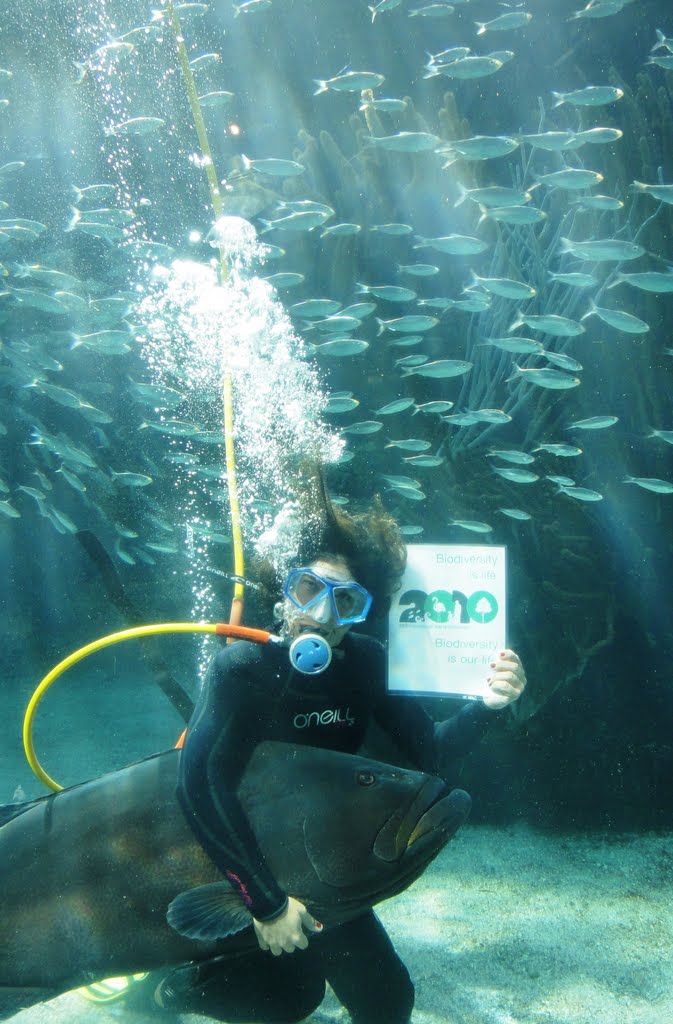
347,568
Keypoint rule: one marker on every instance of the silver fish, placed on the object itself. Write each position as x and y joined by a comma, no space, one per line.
440,369
590,96
602,250
664,193
454,245
581,493
550,323
555,380
571,178
505,287
465,68
472,525
404,142
273,166
594,423
504,22
618,319
564,451
516,476
577,280
410,444
407,324
342,347
650,483
361,428
511,455
648,281
663,435
515,513
340,402
399,405
351,81
479,147
136,126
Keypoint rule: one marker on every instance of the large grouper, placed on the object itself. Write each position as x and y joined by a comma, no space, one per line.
88,874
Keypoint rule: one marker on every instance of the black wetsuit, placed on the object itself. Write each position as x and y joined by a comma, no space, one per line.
251,694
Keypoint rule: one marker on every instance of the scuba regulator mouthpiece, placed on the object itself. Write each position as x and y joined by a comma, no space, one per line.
310,654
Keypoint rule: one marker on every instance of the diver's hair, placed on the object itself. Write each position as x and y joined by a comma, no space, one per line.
369,542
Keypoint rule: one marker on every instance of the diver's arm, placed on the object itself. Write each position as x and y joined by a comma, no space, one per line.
425,742
220,738
432,744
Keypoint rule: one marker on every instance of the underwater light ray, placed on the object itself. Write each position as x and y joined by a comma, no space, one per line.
236,611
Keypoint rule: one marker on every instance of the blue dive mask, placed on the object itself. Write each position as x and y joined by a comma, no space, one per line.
349,601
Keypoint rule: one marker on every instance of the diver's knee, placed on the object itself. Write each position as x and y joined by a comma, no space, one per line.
393,1006
302,1003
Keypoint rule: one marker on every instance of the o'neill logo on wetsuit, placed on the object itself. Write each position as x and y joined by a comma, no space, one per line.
331,716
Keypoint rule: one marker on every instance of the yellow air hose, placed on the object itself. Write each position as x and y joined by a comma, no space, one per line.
218,628
236,611
233,629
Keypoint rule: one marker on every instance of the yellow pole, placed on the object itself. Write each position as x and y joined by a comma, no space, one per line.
236,611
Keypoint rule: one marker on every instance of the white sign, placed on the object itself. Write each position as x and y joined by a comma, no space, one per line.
448,620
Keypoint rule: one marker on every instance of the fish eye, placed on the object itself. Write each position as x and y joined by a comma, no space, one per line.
365,778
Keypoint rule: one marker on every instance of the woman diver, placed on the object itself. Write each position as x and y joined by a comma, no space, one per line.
347,568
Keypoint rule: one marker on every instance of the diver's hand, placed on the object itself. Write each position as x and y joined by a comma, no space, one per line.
507,682
285,933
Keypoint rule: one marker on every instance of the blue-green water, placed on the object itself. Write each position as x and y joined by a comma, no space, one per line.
113,354
108,343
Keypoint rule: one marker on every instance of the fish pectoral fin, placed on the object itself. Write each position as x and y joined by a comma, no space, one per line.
10,811
208,912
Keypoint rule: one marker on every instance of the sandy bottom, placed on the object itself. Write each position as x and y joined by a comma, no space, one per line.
510,926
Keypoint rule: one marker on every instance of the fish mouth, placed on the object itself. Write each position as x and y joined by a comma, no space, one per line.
445,817
433,815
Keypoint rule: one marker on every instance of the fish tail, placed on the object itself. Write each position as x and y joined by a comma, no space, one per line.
361,289
81,72
382,326
10,811
661,40
373,10
484,214
566,245
619,277
481,27
463,195
431,72
322,86
75,340
637,186
559,98
518,322
591,310
246,161
74,219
